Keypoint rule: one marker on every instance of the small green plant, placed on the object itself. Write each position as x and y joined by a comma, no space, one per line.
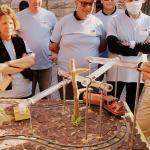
75,120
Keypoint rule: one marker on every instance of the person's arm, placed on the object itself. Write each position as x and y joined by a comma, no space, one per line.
114,44
54,47
6,69
103,44
55,40
56,37
146,70
25,62
17,65
143,47
119,47
125,48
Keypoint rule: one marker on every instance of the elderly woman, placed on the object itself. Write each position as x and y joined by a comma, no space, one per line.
15,78
77,35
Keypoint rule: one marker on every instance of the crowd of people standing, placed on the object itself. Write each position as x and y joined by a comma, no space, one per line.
33,38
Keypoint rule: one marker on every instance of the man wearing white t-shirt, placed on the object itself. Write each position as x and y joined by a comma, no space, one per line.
77,35
36,27
128,37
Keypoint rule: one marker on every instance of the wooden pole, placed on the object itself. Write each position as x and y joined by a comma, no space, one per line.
75,88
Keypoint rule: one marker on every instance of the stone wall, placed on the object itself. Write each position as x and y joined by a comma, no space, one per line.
59,7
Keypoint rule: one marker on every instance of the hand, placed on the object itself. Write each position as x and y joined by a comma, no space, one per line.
147,40
64,74
125,43
6,69
146,70
53,57
29,54
3,65
146,76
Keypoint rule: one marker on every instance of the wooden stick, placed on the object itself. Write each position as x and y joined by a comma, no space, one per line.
75,88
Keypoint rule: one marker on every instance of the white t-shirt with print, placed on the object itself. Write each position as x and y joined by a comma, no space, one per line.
77,39
36,30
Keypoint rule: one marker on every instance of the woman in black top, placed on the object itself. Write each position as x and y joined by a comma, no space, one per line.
15,78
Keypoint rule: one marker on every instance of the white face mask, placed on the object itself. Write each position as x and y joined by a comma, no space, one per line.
134,7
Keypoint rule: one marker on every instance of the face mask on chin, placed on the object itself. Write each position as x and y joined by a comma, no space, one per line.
134,7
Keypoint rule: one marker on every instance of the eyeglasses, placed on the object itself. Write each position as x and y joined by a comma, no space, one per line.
84,4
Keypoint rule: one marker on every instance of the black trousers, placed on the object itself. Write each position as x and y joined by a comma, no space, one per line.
69,89
43,78
130,92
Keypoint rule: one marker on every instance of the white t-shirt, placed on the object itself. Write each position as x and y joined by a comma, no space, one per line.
128,29
21,87
36,30
77,39
105,19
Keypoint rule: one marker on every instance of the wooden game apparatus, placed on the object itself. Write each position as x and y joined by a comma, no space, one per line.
22,112
85,81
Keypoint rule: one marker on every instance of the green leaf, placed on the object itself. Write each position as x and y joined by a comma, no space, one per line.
2,110
75,120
